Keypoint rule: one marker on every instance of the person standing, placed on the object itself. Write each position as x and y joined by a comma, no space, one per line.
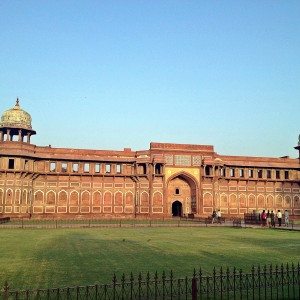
272,216
268,219
279,217
213,217
286,218
219,216
263,218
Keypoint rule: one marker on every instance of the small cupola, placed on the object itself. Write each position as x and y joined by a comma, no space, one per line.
15,125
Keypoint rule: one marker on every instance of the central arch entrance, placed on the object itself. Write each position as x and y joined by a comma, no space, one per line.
182,191
177,209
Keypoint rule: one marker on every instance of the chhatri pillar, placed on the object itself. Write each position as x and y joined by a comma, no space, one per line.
298,148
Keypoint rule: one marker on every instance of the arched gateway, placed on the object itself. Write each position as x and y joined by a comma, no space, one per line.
177,209
182,191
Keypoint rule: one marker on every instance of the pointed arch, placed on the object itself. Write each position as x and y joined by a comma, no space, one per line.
62,198
97,198
251,201
118,198
38,197
24,197
74,198
233,200
129,199
51,198
17,197
9,197
296,201
242,200
184,186
270,201
107,199
261,201
186,176
144,199
223,200
157,199
278,201
207,199
85,198
287,201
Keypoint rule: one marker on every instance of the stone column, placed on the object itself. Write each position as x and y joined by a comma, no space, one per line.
20,135
8,137
1,136
28,137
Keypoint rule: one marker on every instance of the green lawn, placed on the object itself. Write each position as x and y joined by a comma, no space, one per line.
32,258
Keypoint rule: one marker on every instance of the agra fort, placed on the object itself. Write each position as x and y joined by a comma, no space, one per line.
163,181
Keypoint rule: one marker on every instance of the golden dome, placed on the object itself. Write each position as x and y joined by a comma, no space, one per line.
16,118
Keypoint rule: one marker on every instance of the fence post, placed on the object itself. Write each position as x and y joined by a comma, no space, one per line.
171,284
194,288
200,283
265,280
164,284
155,285
282,280
221,282
253,281
123,281
227,281
271,280
56,224
22,224
131,285
276,276
234,283
140,285
259,279
293,280
5,291
214,279
241,283
287,270
298,276
114,286
148,285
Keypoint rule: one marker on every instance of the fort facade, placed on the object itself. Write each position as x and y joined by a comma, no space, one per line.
164,181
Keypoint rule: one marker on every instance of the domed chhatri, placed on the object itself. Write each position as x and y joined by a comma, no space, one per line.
16,121
16,118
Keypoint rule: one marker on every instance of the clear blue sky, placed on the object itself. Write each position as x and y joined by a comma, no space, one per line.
114,74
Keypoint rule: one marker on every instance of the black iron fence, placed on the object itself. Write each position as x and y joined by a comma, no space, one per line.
71,223
267,282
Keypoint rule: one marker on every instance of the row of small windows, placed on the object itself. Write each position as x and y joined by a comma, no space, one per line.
76,167
252,173
86,168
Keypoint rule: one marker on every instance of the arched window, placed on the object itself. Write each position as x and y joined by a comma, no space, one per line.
97,199
50,199
74,198
62,198
85,198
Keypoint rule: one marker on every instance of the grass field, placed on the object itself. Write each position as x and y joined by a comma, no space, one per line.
41,258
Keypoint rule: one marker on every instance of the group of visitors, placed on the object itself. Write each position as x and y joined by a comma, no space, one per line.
268,218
